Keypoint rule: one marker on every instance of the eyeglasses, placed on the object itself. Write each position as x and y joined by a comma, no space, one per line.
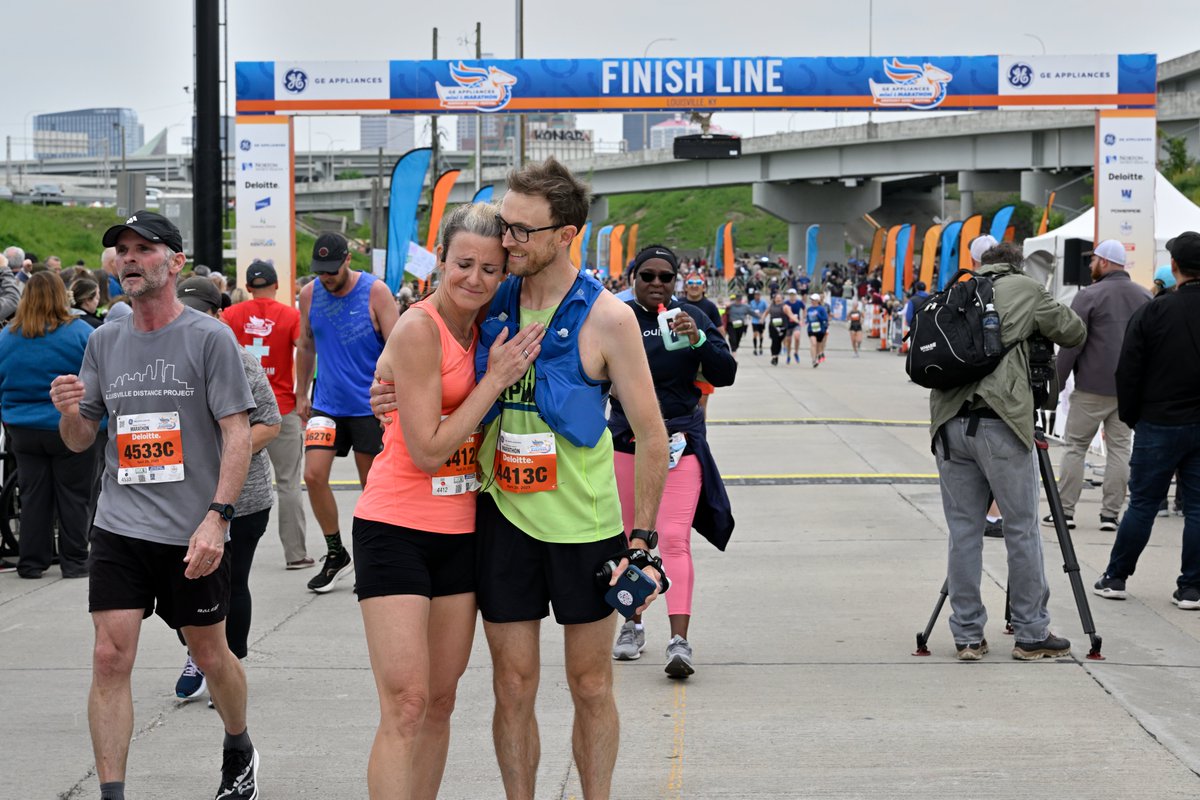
695,282
520,233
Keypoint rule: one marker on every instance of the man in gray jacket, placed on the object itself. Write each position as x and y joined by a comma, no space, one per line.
10,291
983,440
1106,308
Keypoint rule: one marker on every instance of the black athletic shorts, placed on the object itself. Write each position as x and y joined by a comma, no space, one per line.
521,577
820,337
391,560
855,327
125,573
363,434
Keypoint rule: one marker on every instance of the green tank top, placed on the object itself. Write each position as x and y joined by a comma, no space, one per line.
583,505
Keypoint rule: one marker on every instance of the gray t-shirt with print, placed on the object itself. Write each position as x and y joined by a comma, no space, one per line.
163,392
257,492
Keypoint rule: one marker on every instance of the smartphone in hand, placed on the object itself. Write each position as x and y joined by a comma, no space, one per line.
630,591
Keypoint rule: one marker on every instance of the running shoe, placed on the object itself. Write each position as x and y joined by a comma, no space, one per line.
1108,523
821,358
816,364
630,642
679,657
1163,509
972,652
335,567
191,681
1187,598
1050,647
239,775
789,358
774,361
301,563
994,530
1112,588
1048,520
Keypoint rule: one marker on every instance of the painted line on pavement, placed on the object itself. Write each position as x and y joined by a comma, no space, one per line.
784,479
897,423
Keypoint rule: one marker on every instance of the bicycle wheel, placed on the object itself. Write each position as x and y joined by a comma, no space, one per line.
10,517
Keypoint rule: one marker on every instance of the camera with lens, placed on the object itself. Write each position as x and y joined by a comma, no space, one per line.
1042,373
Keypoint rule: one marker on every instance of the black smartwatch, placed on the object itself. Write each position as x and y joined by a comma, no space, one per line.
649,537
226,510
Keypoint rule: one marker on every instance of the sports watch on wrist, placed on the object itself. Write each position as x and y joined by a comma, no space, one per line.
649,537
226,510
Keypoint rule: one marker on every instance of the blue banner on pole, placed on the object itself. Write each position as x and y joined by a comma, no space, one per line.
719,249
1000,222
901,254
948,264
484,195
583,249
603,241
408,178
812,250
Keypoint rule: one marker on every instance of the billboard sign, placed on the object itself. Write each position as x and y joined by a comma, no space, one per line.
265,194
1126,143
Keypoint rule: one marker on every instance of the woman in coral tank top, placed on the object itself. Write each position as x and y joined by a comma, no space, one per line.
414,526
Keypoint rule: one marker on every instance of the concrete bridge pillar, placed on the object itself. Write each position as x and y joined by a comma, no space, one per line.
832,205
1036,186
970,182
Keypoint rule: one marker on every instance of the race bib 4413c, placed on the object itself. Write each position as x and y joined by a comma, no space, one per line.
526,462
149,448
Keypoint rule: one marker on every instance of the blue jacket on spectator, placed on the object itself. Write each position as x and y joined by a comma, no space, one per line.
27,367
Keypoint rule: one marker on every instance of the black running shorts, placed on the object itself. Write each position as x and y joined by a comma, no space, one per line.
392,560
820,337
521,577
363,434
126,573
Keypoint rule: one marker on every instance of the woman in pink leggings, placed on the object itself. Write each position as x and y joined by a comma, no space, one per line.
694,495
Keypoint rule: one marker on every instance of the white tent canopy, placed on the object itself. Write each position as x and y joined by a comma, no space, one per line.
1173,214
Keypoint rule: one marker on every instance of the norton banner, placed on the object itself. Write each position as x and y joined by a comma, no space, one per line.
762,83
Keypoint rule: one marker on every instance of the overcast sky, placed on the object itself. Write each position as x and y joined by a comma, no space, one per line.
68,54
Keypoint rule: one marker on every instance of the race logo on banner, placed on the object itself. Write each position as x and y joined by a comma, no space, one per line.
1126,143
913,85
264,197
477,89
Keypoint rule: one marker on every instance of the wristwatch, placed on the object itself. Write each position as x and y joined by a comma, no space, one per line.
226,510
649,537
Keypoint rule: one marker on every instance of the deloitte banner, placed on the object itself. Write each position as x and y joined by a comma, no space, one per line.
763,83
1126,143
265,178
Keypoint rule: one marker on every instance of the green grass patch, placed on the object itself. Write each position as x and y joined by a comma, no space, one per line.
687,219
67,232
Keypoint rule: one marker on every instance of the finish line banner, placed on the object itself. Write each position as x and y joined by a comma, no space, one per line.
763,83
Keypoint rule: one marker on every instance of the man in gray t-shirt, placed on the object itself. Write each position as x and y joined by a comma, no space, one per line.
171,382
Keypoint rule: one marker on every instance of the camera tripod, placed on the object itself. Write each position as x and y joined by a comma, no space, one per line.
1070,562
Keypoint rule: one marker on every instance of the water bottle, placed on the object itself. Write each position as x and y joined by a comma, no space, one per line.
670,339
991,332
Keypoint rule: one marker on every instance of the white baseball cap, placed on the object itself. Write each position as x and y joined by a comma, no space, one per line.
814,296
981,245
1111,250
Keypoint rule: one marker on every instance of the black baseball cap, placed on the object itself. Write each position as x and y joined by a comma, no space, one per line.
151,227
199,293
329,253
1185,249
260,274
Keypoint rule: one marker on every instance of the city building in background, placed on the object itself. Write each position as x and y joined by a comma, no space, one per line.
86,132
498,132
392,132
663,134
635,127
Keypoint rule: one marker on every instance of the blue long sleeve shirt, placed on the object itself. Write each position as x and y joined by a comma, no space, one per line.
27,366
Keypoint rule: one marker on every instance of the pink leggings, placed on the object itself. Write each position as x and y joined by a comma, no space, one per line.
674,523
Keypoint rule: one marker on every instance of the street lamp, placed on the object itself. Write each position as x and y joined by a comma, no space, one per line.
646,115
1038,39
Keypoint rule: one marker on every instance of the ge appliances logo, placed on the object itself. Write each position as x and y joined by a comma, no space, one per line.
295,81
1020,75
244,145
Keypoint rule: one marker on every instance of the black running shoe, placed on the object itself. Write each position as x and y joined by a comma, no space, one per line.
994,530
334,567
1050,647
1112,588
239,775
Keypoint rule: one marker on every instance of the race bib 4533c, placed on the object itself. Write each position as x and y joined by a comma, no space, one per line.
149,448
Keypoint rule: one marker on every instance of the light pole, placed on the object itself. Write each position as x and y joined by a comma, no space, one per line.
330,142
1038,39
646,115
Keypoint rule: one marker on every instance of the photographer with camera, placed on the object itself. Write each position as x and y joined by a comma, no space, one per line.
983,438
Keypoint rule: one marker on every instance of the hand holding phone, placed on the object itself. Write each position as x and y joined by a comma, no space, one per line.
630,591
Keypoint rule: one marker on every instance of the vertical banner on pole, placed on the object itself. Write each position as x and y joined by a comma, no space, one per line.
586,236
730,262
1126,146
266,199
603,243
889,259
970,232
408,178
948,263
877,243
1000,222
576,252
616,253
719,249
484,195
1045,223
812,250
437,206
929,255
904,258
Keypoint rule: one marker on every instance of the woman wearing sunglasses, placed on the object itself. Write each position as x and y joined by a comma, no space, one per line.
694,495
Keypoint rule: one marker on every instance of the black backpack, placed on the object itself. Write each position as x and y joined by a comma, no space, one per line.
945,347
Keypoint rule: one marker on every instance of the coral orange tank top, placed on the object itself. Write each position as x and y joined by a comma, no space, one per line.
397,492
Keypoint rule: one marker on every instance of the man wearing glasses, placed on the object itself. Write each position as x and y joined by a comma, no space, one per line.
549,512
